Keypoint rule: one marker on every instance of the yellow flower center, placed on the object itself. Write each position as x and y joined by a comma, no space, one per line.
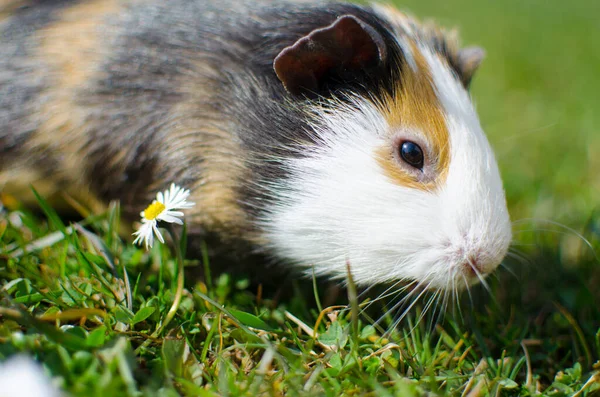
154,210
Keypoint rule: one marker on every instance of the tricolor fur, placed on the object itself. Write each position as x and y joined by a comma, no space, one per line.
115,99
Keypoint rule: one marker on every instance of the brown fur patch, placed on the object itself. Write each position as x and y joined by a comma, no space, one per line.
72,48
222,168
199,133
403,23
216,197
18,182
8,7
445,42
441,40
74,45
415,106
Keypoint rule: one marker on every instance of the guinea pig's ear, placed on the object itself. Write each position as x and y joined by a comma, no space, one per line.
469,60
347,45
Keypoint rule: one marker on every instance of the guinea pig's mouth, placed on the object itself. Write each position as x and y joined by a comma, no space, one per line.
475,268
472,268
472,275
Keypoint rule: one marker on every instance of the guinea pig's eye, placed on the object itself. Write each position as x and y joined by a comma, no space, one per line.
412,154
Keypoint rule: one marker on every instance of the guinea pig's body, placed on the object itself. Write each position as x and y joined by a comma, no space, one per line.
316,134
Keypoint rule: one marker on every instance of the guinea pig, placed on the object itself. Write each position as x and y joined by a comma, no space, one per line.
317,134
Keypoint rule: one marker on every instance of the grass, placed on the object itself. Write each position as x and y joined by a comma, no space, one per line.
93,308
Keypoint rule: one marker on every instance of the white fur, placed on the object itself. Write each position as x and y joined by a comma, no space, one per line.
339,206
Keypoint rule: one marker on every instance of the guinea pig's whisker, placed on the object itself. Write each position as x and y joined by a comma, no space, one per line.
540,229
402,299
520,256
394,304
449,297
435,309
468,287
410,306
480,277
519,134
517,244
438,309
385,293
430,301
508,269
570,232
455,297
445,304
522,260
396,294
445,296
566,229
365,292
371,321
398,305
431,308
487,287
390,291
426,307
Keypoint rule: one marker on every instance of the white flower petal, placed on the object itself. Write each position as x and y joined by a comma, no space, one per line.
175,197
145,233
177,214
184,205
170,193
170,219
157,232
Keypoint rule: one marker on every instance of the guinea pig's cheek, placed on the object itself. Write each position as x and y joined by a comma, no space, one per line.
339,207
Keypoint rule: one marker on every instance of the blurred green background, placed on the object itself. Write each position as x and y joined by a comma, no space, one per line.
538,96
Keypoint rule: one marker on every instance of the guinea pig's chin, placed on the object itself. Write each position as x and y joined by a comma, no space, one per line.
460,271
443,269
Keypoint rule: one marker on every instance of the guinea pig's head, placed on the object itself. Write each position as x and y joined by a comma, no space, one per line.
400,183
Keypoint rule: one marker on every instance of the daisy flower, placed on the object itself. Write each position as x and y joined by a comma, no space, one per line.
162,209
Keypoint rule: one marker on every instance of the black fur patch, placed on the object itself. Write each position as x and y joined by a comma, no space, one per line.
271,121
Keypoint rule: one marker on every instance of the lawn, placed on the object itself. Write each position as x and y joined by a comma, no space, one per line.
96,311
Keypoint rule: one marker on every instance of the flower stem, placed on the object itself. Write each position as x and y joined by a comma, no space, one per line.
180,284
178,293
